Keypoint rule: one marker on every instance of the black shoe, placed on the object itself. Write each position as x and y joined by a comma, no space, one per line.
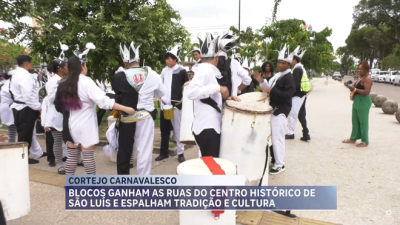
61,170
44,154
131,166
33,161
276,170
289,136
305,138
64,159
162,157
80,164
181,158
52,163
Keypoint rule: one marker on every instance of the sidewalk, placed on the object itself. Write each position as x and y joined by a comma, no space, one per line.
368,179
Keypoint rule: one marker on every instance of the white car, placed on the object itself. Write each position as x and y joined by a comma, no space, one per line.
381,76
336,74
397,80
393,75
374,73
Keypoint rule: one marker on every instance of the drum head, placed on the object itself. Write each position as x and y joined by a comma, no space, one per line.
252,103
198,167
166,107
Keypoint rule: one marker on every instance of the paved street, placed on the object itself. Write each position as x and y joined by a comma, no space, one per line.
367,179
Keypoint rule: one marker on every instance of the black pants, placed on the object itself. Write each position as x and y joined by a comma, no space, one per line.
165,128
101,112
302,118
25,120
49,147
2,216
125,147
209,142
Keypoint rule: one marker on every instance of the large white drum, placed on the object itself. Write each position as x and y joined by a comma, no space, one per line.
14,180
244,135
186,136
194,217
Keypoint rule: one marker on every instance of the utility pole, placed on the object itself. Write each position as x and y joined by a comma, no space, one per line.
239,17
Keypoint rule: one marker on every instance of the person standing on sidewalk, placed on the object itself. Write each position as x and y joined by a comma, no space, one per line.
281,90
361,106
173,77
298,110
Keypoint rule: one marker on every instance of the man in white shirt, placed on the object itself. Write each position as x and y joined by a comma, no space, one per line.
174,77
207,95
26,106
241,77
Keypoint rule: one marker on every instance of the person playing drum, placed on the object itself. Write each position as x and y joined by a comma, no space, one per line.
281,90
207,95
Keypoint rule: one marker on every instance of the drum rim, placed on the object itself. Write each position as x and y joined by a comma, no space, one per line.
6,145
169,108
247,111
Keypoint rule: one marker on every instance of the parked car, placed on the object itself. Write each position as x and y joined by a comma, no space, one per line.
393,75
336,74
374,73
381,76
397,79
388,76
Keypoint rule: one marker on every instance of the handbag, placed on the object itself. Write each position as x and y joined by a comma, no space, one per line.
354,92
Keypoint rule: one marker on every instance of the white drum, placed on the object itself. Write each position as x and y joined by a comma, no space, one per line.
194,217
186,136
244,135
14,180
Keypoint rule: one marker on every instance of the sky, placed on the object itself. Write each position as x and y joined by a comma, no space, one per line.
336,15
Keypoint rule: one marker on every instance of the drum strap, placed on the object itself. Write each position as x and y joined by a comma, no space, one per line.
215,169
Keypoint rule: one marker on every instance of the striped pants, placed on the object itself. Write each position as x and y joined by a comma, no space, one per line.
57,147
12,133
88,161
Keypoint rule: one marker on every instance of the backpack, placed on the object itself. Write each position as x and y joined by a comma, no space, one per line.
305,83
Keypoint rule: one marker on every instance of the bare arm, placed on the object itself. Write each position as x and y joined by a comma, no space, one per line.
367,85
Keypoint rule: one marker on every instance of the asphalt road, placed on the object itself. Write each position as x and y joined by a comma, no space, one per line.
390,91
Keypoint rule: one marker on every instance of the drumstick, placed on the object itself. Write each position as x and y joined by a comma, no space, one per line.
263,99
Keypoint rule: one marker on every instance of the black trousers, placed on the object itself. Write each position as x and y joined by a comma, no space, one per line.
209,142
165,128
2,216
101,112
25,120
49,147
125,146
302,118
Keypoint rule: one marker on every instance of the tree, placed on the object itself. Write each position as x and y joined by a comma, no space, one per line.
384,15
9,53
275,10
346,60
392,62
105,23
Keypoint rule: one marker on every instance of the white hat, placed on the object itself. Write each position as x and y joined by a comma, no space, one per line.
299,52
245,63
175,51
209,47
130,55
83,56
285,55
196,50
227,42
238,58
63,48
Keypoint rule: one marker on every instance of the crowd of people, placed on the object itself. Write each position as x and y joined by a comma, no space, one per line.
68,112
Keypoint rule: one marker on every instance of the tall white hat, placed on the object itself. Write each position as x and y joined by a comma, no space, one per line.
285,54
209,47
176,51
245,63
299,52
83,55
227,42
130,54
62,55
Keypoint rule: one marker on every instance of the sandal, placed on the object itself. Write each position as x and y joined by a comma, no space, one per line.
362,144
349,141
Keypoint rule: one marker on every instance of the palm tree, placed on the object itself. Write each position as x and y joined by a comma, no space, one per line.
275,11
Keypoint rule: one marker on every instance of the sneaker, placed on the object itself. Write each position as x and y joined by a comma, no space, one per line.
305,138
61,170
33,161
162,157
181,158
289,136
276,170
52,163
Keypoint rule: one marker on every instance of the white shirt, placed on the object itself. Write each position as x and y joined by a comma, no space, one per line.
83,124
205,85
6,113
196,65
23,87
153,87
53,118
239,76
166,76
271,83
